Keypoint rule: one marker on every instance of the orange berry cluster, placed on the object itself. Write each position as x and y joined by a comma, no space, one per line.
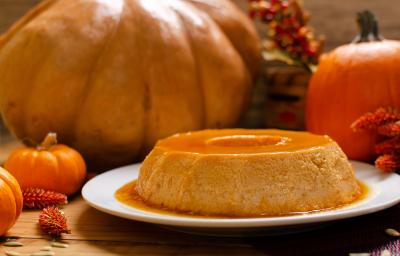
287,28
386,122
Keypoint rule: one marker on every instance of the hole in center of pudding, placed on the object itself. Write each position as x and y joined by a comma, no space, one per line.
247,140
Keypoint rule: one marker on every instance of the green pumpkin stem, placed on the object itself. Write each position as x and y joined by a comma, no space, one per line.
368,25
49,140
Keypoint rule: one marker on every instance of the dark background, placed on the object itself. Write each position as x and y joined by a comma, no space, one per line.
334,19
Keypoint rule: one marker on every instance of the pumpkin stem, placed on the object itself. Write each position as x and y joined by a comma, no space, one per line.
368,26
49,140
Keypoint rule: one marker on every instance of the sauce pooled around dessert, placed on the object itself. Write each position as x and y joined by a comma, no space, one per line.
128,195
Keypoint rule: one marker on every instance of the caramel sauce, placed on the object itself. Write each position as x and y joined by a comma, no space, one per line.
243,141
128,195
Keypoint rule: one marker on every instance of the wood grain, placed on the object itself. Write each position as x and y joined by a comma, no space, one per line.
96,233
112,248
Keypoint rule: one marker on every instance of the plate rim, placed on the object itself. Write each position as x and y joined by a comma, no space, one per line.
207,222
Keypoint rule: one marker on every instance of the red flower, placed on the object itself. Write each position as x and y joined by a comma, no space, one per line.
388,163
53,221
390,130
36,198
371,121
384,121
391,146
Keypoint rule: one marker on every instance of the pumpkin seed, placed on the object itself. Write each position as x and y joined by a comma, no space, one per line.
43,253
46,248
59,245
12,253
360,254
8,238
392,232
13,244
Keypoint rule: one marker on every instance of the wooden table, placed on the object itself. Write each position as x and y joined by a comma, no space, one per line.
96,233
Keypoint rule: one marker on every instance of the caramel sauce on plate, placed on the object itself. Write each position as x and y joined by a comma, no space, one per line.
128,195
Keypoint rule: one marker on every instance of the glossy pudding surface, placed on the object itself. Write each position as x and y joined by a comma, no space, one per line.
239,172
243,141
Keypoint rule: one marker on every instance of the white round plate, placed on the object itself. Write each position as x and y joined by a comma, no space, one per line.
384,191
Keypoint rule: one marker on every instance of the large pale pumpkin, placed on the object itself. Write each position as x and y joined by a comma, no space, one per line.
350,81
111,77
10,201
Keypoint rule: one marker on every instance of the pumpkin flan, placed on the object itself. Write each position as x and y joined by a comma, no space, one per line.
239,172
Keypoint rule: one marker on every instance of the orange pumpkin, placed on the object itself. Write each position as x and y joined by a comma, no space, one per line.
350,81
50,166
113,77
10,201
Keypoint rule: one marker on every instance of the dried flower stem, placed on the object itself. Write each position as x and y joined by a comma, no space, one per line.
36,198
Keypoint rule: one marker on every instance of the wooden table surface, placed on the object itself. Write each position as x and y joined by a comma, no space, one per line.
96,233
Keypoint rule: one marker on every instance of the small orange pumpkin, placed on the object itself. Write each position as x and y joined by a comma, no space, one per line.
50,166
352,80
10,201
